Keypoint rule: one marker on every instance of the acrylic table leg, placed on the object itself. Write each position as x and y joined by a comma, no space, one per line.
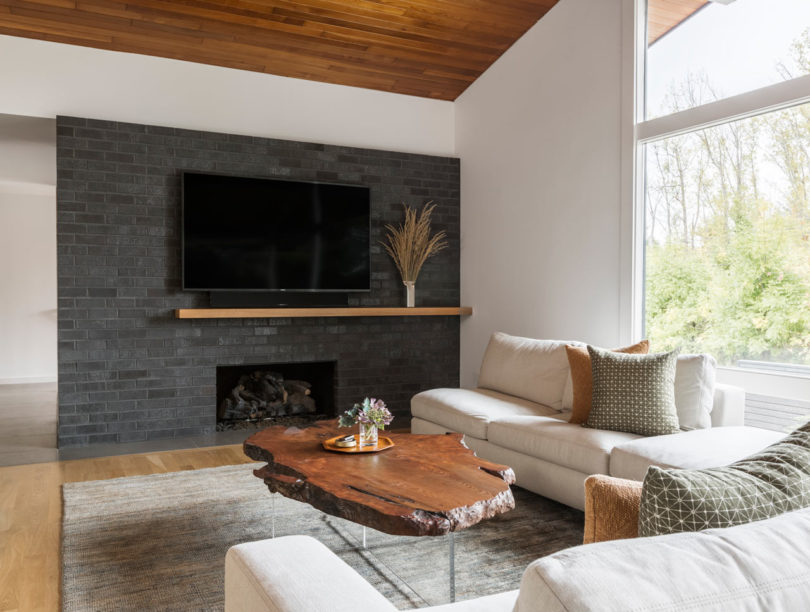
452,567
272,515
364,537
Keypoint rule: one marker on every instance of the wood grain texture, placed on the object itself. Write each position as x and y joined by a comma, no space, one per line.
663,15
428,48
424,486
31,515
291,313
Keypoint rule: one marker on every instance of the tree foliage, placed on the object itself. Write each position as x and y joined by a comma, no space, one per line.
728,222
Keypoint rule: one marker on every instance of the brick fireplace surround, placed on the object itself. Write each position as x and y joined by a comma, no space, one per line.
130,371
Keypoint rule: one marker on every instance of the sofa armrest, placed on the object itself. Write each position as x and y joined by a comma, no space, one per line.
729,406
294,573
611,508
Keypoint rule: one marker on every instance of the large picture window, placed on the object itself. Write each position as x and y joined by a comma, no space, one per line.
701,51
726,263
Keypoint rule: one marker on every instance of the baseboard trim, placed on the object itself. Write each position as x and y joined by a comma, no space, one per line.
28,380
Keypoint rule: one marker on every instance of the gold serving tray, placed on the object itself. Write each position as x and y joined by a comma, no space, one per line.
383,443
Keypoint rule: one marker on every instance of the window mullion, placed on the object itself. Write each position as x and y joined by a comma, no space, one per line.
757,102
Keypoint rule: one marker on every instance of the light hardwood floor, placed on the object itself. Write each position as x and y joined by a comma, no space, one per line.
31,514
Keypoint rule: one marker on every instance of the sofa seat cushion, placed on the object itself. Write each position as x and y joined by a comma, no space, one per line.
700,448
558,442
469,411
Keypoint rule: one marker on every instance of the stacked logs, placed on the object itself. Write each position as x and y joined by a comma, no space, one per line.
263,394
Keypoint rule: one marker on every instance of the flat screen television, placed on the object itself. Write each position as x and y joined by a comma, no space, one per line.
258,234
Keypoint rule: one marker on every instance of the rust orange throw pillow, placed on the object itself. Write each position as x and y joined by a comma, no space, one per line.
582,378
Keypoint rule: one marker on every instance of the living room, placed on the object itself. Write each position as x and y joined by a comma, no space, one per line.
606,171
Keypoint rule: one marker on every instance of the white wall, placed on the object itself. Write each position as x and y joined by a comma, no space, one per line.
41,79
539,135
27,249
46,79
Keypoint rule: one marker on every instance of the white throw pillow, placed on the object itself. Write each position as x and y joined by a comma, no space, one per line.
531,369
694,390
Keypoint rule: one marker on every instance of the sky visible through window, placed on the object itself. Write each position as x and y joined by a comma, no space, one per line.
727,208
736,48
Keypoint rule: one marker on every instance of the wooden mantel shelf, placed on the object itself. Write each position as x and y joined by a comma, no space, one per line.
283,313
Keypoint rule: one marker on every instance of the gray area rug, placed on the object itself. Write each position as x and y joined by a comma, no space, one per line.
158,542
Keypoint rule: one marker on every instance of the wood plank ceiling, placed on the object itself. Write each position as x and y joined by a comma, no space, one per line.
663,15
428,48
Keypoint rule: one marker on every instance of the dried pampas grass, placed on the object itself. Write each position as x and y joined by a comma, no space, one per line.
410,244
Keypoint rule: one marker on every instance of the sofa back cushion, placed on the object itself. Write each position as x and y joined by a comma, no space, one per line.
694,390
766,484
761,566
531,369
728,409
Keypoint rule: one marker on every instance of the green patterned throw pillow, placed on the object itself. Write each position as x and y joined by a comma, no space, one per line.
774,481
633,393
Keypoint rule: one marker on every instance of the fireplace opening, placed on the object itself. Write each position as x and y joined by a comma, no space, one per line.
259,395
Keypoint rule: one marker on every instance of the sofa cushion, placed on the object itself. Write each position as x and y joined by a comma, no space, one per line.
504,602
728,408
582,377
701,448
694,390
633,393
294,573
558,442
469,411
761,566
761,486
535,370
611,508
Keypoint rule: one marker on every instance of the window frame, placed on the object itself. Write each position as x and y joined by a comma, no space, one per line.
759,101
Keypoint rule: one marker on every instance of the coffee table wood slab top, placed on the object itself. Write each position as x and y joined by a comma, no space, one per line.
426,485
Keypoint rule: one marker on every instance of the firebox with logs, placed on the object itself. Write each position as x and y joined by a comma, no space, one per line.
263,394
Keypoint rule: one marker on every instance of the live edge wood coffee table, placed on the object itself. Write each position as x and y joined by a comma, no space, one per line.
425,485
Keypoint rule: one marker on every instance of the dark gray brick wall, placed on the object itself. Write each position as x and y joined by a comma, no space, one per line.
128,370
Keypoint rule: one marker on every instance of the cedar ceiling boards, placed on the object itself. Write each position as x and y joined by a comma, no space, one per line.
427,48
663,15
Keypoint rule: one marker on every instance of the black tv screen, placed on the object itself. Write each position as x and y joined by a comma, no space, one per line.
256,234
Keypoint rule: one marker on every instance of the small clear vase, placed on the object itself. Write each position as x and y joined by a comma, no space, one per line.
368,434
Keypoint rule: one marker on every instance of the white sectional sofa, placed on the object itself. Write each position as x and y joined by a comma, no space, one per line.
760,566
519,415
